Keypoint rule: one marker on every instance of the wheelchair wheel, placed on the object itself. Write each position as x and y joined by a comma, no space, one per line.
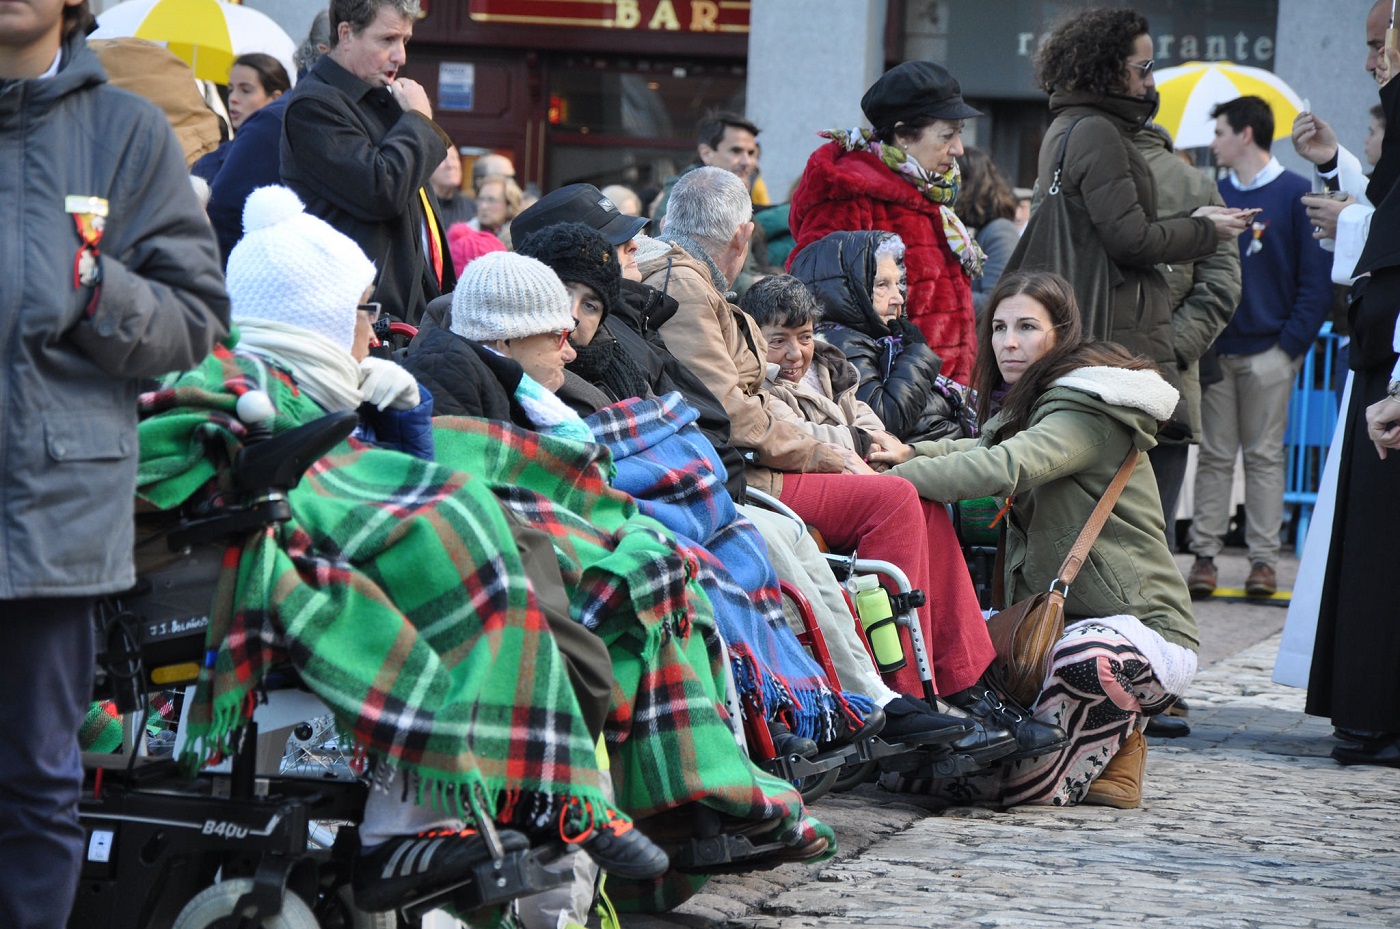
818,785
215,903
338,911
855,774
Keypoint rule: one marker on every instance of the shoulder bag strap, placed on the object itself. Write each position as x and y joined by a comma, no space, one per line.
1060,162
1087,536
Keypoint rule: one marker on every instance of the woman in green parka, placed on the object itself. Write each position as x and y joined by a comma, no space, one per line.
1068,411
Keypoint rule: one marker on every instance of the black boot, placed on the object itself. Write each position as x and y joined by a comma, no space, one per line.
910,720
786,742
1033,737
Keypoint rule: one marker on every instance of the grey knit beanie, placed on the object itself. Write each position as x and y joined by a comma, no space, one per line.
502,295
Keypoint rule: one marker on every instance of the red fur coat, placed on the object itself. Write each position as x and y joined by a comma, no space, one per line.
855,191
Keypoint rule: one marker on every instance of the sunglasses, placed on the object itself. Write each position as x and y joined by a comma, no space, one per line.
370,310
1145,67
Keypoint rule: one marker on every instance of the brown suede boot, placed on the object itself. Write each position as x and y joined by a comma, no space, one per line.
1120,784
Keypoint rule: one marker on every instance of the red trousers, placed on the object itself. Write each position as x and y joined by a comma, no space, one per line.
881,516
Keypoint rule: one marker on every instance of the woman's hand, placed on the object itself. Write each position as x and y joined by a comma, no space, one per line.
885,442
889,457
1229,223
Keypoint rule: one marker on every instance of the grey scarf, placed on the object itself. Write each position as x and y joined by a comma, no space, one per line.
695,250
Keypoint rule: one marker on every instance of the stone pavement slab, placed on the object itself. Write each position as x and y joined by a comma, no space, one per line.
1246,823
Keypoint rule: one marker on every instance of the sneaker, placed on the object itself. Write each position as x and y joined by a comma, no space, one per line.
1203,579
1262,582
910,720
617,846
410,867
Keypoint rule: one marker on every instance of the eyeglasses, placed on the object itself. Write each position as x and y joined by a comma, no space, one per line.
370,310
564,335
1145,67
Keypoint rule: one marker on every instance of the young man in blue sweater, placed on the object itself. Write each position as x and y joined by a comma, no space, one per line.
1287,291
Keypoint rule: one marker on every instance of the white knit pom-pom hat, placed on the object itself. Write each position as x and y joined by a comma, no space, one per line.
293,268
502,295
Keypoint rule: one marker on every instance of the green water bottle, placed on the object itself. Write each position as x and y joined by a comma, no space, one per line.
877,619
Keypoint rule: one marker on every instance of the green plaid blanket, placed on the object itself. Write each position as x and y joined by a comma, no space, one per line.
632,583
396,592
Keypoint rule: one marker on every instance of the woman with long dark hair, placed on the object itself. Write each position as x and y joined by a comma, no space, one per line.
1059,415
987,205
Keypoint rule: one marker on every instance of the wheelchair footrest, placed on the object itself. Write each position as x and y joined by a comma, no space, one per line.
722,852
518,874
793,767
941,764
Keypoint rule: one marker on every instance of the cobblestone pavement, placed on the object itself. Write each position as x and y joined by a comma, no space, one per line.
1246,823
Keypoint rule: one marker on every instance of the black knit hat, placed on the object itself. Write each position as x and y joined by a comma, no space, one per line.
579,254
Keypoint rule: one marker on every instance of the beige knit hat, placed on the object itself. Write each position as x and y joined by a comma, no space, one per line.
502,295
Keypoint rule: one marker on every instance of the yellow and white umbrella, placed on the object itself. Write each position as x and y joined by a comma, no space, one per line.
1189,91
206,34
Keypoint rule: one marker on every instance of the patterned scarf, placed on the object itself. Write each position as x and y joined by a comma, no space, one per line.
941,189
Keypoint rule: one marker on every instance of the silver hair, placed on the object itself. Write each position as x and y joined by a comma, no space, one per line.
360,13
309,52
890,247
708,204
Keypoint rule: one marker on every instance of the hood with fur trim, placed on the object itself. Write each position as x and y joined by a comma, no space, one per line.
1140,400
1143,390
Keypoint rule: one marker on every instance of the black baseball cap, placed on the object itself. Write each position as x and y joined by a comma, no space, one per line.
577,203
912,89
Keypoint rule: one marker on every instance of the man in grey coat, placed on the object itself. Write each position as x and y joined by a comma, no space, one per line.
111,275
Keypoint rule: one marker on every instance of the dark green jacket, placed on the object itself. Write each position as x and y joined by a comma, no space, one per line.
1108,187
1057,470
1203,293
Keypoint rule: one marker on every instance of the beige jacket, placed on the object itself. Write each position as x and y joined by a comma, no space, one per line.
155,73
832,414
722,344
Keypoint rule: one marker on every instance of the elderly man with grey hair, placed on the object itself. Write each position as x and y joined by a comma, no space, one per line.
708,228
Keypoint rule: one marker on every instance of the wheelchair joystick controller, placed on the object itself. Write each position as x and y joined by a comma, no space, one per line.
256,411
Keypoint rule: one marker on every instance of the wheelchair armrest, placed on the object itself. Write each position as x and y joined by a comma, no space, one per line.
772,504
279,462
